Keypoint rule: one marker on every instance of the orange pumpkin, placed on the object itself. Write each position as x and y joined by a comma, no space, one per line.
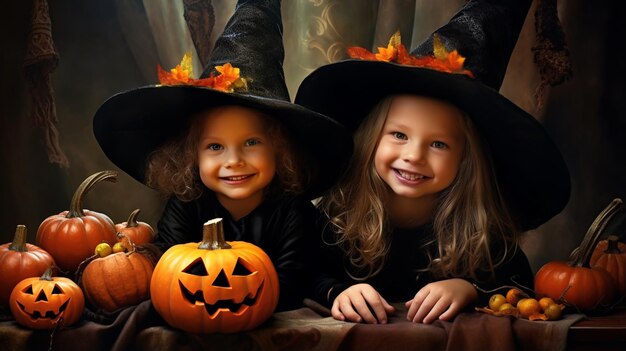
214,286
71,236
610,254
19,260
43,302
135,231
118,280
575,283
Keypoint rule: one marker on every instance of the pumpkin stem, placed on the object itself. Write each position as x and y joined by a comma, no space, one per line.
612,247
76,206
47,275
593,233
132,219
213,236
121,236
19,240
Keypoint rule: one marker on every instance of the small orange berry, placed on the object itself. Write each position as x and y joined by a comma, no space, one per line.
544,302
514,295
528,307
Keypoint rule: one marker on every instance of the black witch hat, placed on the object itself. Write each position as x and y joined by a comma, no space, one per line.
529,167
132,124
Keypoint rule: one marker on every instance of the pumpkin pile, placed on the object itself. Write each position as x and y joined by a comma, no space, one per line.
206,287
111,280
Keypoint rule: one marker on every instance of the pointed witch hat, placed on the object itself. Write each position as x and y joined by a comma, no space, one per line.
530,169
129,126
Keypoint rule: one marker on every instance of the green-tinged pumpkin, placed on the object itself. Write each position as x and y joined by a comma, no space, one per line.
20,260
71,236
43,302
214,286
575,283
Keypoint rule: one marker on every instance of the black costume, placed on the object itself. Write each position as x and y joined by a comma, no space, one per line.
282,226
402,275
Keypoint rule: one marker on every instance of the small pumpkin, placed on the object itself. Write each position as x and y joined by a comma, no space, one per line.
20,260
118,280
135,231
610,254
214,286
71,236
43,302
575,283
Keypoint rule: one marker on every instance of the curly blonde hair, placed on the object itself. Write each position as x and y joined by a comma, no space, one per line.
470,216
172,168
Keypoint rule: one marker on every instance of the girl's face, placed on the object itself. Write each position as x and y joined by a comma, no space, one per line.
420,147
236,158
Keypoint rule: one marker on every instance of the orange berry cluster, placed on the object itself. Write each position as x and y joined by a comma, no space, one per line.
518,303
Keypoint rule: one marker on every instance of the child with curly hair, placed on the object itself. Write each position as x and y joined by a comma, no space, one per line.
231,145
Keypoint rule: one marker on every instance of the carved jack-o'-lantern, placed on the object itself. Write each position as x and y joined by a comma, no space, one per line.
42,303
214,286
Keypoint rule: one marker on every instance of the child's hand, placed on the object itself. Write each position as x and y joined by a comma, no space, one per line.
443,299
352,304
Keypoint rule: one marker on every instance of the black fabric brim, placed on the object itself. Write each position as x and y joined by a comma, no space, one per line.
531,171
131,125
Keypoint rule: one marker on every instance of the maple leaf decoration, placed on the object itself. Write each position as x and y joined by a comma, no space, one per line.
227,79
442,59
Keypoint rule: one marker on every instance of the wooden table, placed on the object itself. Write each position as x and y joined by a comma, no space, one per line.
599,333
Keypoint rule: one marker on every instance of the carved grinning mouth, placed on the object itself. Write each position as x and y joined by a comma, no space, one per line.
198,297
48,314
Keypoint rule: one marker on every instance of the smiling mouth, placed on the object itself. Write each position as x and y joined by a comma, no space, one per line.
213,309
236,178
47,315
409,175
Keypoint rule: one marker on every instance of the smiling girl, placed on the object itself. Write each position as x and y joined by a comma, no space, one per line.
446,172
231,145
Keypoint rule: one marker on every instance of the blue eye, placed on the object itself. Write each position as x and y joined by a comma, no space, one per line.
252,142
439,145
400,136
215,147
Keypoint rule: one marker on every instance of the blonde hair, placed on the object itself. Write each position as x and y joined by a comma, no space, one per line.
470,216
172,168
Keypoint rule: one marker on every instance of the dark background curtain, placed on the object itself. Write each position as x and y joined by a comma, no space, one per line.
110,46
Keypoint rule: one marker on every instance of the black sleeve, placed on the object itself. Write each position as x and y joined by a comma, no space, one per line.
178,224
292,254
329,278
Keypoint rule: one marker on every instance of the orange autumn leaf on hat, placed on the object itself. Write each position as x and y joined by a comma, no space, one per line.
227,80
442,59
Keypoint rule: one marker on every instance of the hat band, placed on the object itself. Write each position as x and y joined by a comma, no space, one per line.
442,60
227,80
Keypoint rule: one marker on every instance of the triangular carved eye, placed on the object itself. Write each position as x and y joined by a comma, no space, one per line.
241,269
57,290
29,290
196,268
221,280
